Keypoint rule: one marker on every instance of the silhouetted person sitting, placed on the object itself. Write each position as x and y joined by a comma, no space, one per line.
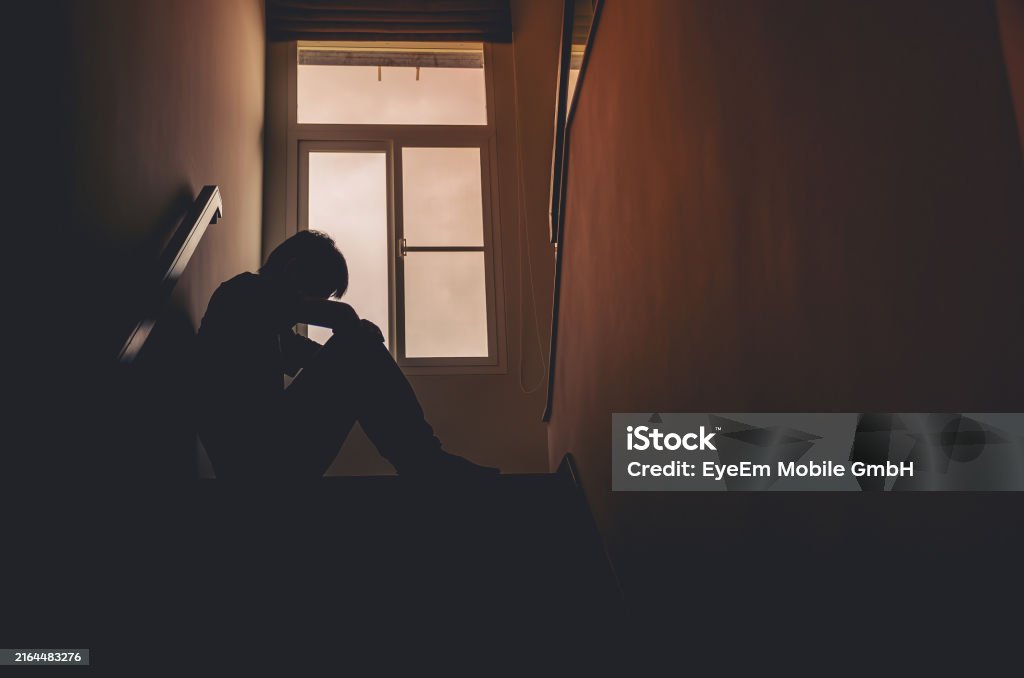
253,427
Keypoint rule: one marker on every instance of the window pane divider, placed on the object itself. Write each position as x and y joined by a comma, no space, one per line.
443,248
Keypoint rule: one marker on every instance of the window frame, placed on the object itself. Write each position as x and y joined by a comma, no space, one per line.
391,139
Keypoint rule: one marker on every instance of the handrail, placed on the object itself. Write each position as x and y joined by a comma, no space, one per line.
207,209
558,228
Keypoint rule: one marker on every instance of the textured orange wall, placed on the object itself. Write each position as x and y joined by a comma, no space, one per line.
793,206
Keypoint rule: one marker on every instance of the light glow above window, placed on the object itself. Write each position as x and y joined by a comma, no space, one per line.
389,84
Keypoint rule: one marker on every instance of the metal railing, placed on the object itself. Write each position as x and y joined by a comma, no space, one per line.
207,209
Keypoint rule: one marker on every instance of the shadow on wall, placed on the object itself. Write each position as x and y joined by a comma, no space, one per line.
113,140
155,392
135,275
155,439
134,420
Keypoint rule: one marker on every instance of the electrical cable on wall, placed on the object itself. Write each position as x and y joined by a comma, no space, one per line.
524,238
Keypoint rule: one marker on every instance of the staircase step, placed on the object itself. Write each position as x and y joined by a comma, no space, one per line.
338,563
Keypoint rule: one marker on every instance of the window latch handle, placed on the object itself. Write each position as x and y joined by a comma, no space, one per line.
402,249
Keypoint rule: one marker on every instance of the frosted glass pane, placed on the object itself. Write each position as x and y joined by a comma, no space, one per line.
348,200
441,197
354,95
445,305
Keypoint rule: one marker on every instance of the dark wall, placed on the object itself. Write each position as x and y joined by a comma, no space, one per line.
169,98
789,206
116,113
124,111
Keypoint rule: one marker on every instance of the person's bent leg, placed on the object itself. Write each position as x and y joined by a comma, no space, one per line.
355,375
319,413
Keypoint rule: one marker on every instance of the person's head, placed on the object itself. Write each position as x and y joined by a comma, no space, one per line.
308,264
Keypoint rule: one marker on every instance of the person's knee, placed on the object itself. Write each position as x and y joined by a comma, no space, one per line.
349,317
372,331
346,321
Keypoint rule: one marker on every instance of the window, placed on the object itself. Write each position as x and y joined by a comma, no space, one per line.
394,148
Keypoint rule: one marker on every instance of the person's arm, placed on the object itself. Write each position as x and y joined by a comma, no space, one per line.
336,315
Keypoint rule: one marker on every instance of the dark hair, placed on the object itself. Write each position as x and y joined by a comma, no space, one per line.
319,267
